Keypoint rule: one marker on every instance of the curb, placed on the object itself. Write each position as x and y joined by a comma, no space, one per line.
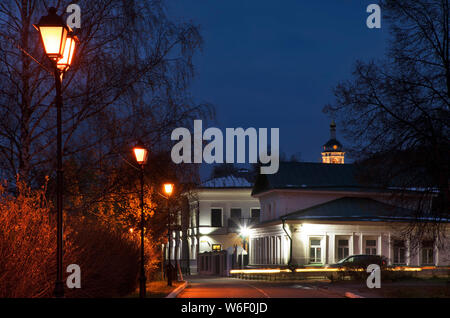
177,290
351,295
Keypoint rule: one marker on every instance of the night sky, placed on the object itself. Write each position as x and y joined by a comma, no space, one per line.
274,64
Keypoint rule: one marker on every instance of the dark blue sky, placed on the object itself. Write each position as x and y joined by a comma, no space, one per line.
274,63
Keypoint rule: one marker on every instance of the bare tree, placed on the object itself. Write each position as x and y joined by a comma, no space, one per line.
129,80
396,112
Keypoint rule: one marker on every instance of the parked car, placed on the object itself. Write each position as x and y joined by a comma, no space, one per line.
360,261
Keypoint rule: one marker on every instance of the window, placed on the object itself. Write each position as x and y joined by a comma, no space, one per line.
216,217
351,259
342,250
254,213
371,247
235,214
399,252
427,253
315,251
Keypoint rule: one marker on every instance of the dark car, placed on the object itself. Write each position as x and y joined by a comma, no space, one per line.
360,261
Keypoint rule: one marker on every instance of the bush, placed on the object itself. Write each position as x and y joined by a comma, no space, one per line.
108,256
27,244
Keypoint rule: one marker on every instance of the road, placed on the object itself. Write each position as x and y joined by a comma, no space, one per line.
219,287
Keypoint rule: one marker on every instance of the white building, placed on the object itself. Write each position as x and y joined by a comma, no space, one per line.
317,214
219,209
306,214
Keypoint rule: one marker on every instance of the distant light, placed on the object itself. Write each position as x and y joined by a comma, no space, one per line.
259,271
131,230
245,232
141,154
168,188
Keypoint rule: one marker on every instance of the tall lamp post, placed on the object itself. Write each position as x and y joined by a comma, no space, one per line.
168,189
141,154
59,44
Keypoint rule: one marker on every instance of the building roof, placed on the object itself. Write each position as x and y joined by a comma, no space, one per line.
350,208
332,145
314,176
226,182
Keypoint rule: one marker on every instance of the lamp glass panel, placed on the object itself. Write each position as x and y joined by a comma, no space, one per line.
168,188
54,39
69,49
141,155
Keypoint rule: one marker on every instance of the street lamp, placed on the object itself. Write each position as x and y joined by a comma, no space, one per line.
168,190
141,154
55,35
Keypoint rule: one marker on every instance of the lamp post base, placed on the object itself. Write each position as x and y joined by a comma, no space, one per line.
169,275
142,286
59,289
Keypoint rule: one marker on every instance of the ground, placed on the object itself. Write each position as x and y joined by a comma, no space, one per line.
220,287
157,289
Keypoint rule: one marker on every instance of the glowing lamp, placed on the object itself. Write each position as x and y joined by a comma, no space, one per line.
141,154
64,63
54,33
245,232
168,188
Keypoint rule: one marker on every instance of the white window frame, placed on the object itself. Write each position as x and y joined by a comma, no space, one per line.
371,247
433,255
395,248
341,238
237,208
221,214
256,208
320,238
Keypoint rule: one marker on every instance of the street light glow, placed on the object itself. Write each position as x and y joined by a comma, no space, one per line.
141,154
168,188
245,232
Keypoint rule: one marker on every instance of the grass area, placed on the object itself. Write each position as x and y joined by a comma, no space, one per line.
157,289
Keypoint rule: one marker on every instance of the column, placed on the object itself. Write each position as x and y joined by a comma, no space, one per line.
333,248
361,243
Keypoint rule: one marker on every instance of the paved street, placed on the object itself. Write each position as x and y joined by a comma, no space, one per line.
214,287
220,287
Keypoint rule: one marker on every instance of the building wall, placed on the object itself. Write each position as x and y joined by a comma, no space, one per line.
356,234
225,200
201,235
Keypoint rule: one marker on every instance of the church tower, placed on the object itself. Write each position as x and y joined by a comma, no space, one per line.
332,150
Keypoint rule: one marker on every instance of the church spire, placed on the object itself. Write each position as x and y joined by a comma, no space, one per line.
333,130
332,150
